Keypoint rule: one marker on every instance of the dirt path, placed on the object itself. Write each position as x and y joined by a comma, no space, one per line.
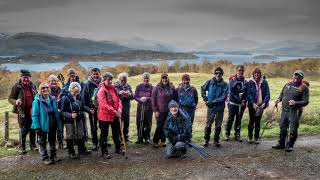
233,160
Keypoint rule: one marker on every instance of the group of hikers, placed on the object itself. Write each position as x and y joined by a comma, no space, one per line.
53,113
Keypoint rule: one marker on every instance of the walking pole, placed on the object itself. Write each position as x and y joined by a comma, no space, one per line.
124,152
268,122
140,133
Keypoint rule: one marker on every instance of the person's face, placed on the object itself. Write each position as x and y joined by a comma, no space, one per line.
164,80
45,90
297,78
257,76
72,76
174,110
146,81
25,80
108,82
186,82
95,75
218,75
240,71
123,81
53,83
75,93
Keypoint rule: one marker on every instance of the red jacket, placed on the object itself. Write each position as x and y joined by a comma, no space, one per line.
109,102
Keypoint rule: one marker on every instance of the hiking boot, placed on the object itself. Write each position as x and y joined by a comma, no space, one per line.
85,152
237,138
22,151
278,146
94,147
227,138
56,159
163,144
138,141
250,141
289,149
48,162
33,147
105,156
216,143
60,146
206,143
74,156
147,141
256,141
156,145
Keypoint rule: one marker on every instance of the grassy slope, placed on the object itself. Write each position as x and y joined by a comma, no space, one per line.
309,123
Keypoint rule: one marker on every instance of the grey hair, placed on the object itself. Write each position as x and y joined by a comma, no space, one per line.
74,86
145,75
123,75
52,77
107,75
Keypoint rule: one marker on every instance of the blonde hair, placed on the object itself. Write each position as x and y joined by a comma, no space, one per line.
145,75
42,85
53,77
74,86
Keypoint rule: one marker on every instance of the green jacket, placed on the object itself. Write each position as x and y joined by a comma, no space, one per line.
18,93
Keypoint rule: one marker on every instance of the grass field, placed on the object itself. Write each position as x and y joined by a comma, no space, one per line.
309,124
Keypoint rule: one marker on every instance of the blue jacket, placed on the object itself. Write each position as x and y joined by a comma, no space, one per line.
187,96
40,117
217,94
252,92
237,87
179,128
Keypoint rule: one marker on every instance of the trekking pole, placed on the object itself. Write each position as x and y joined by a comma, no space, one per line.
198,149
124,152
61,78
268,122
140,133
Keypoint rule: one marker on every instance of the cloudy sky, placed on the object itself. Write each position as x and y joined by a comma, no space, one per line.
185,23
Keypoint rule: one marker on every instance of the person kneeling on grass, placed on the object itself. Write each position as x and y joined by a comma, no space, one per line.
178,131
45,120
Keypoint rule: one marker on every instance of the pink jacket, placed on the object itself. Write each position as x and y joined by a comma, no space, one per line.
109,102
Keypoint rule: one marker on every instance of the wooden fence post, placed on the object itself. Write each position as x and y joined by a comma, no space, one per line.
6,126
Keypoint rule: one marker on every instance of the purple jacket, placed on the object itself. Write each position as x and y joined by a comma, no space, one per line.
161,97
143,91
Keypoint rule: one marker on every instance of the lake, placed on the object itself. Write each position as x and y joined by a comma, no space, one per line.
235,59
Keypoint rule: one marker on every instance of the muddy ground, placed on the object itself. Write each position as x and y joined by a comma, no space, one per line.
233,160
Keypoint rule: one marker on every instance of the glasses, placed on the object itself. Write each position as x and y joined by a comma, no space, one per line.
164,78
45,87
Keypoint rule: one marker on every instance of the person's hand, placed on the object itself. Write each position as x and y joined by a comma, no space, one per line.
276,102
243,103
18,102
74,115
263,106
38,131
122,92
92,111
292,102
157,114
128,93
143,99
255,106
117,114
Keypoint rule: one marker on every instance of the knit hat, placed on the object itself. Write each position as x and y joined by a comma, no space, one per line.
218,69
107,75
25,72
173,103
186,77
299,72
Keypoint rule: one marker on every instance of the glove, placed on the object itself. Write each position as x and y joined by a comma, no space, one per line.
205,99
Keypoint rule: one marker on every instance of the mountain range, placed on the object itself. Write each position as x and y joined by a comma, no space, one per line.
26,43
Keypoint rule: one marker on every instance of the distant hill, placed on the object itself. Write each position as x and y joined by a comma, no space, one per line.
40,43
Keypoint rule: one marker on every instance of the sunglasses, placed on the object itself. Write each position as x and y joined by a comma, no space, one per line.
164,78
123,80
216,73
46,87
240,70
